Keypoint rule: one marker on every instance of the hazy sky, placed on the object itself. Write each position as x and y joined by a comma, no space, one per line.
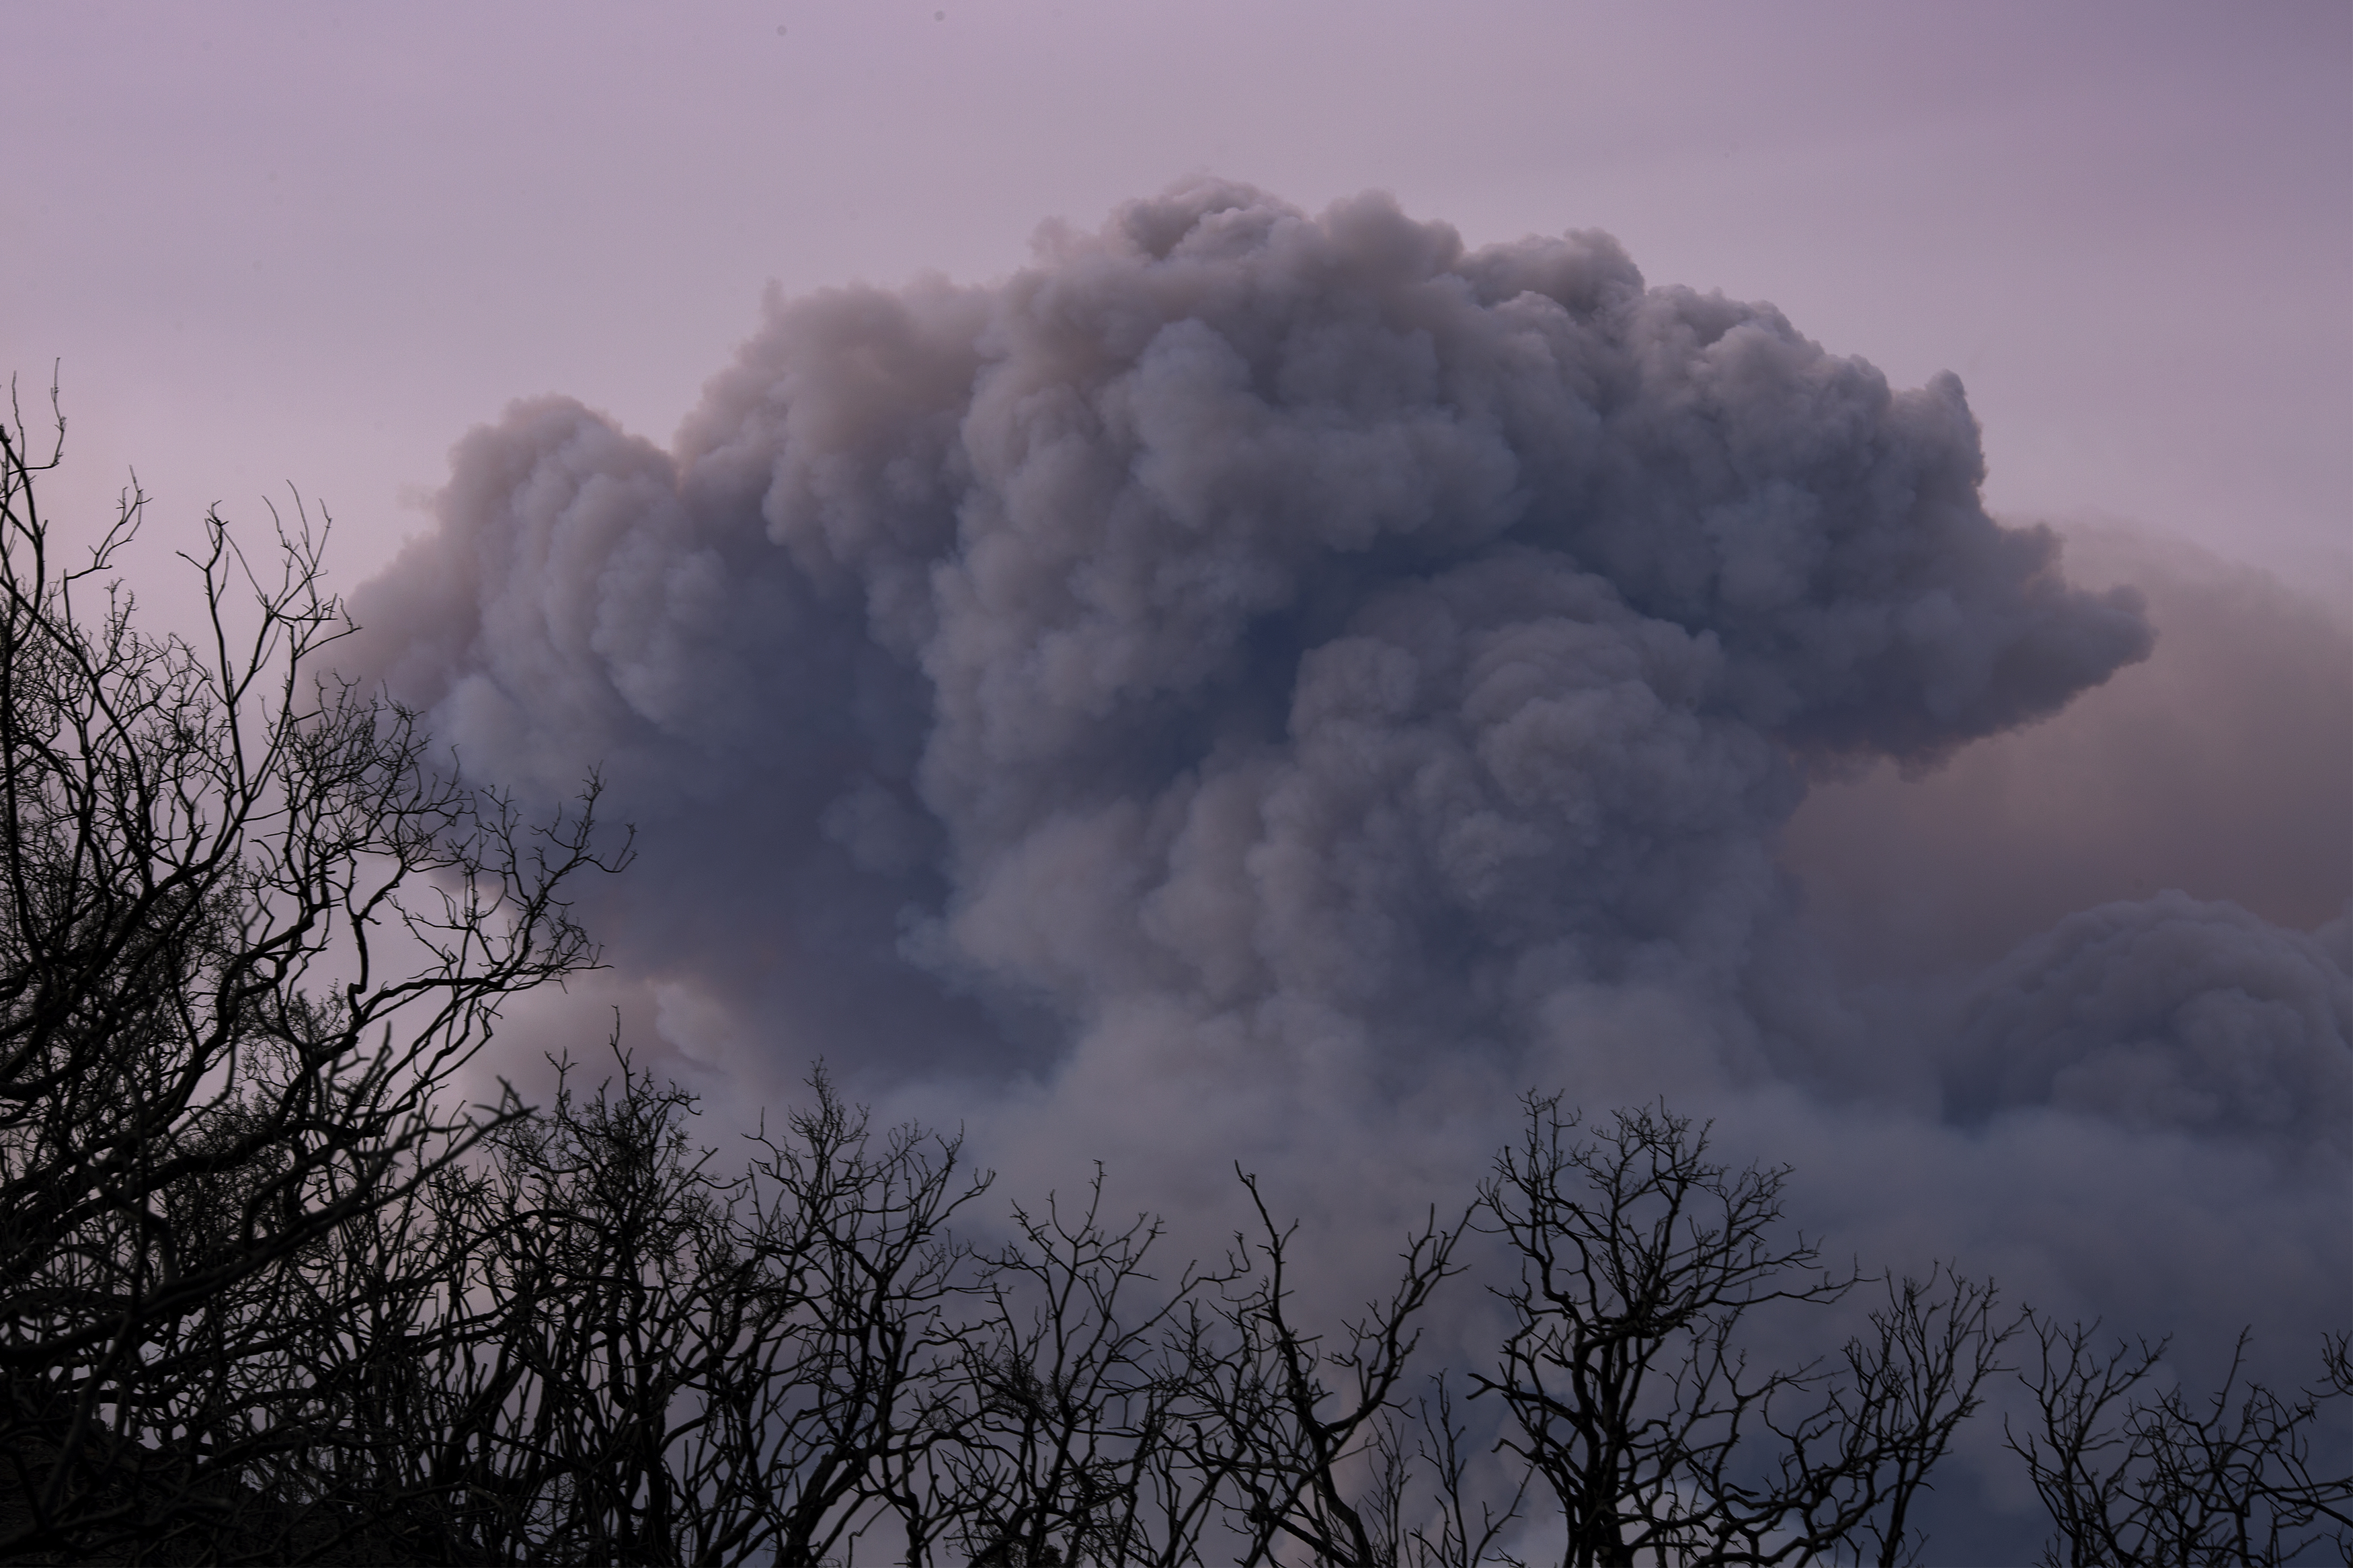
311,244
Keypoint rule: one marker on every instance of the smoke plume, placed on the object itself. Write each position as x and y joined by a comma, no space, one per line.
1265,686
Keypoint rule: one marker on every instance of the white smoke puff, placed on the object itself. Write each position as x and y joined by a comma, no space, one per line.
2169,1013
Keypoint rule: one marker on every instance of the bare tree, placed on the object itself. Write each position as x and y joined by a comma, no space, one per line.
210,1059
1110,1417
1903,1393
848,1397
1630,1392
630,1357
1318,1465
1433,1507
1080,1401
2132,1472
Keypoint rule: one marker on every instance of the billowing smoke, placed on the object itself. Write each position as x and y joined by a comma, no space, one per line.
1263,685
2167,1013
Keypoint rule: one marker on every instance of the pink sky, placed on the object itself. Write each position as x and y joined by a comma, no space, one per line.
311,244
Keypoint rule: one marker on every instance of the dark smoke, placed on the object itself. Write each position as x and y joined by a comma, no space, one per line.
1272,617
1269,686
2167,1012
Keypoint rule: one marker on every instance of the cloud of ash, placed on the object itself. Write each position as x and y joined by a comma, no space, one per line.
1270,687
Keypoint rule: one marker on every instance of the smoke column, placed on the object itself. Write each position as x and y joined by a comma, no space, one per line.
1270,687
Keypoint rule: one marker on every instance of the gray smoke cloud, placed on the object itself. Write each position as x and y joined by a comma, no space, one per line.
1264,685
2167,1012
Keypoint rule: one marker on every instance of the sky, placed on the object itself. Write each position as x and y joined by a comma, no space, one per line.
309,244
1319,564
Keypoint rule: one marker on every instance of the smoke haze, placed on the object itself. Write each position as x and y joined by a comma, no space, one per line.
2222,766
1264,686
